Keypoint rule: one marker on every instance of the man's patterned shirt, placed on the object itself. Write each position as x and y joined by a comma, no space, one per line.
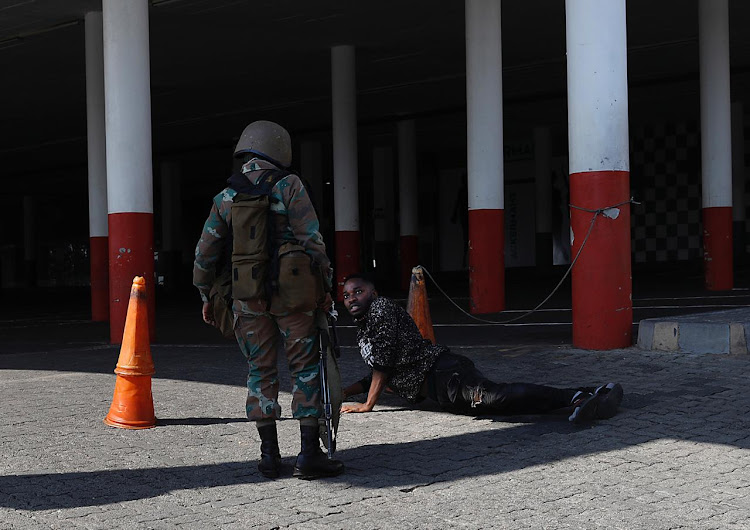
390,342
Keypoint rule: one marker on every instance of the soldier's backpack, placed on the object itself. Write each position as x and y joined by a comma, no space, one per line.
252,235
253,268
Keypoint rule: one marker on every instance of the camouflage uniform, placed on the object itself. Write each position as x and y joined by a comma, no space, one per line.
260,331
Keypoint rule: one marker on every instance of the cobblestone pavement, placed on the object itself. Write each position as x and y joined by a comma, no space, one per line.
677,456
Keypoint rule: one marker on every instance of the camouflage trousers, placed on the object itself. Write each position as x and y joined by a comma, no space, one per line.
261,337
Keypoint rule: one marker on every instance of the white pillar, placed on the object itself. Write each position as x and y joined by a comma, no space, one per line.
128,106
345,176
596,35
97,168
738,177
95,125
716,143
128,138
408,200
484,117
543,187
484,108
597,99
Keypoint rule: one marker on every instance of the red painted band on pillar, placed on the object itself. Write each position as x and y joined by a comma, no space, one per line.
131,254
98,252
717,248
409,246
486,261
601,278
347,258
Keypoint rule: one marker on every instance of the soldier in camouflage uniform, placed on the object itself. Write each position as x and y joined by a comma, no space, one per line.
265,327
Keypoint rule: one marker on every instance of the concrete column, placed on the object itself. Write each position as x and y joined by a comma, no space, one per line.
716,143
170,253
599,172
408,200
97,168
383,211
543,185
484,117
345,175
738,179
29,240
129,174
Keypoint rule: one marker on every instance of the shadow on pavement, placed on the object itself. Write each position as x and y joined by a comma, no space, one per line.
95,488
408,465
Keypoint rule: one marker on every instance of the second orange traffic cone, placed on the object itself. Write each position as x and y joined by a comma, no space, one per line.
132,403
417,305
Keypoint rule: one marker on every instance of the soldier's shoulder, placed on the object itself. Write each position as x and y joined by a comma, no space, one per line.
225,195
288,180
288,186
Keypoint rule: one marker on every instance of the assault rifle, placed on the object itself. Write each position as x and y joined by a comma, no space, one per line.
330,381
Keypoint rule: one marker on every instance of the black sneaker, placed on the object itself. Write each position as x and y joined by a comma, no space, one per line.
610,397
584,407
600,405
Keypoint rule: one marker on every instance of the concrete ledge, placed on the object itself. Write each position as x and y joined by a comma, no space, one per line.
714,332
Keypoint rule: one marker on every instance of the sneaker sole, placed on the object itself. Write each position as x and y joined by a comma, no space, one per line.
610,398
586,411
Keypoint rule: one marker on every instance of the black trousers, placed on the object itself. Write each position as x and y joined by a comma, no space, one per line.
459,387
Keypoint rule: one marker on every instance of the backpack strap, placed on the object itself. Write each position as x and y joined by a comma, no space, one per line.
267,181
264,186
241,184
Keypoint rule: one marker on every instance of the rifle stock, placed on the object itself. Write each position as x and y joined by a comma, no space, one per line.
325,344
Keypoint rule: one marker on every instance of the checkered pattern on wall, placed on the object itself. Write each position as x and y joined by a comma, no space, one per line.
665,177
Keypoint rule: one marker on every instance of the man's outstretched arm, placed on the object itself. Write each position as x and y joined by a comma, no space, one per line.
379,380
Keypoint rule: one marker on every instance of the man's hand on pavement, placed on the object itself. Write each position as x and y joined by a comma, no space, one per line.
355,407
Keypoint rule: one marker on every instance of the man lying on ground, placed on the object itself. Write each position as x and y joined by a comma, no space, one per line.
415,369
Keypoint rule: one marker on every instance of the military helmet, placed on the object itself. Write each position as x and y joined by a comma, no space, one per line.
268,140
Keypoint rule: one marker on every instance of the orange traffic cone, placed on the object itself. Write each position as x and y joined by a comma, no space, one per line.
417,306
132,404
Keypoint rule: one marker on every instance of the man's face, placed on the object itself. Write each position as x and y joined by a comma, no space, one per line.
358,295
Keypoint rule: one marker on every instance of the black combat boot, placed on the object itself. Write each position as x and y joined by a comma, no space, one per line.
270,458
312,462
